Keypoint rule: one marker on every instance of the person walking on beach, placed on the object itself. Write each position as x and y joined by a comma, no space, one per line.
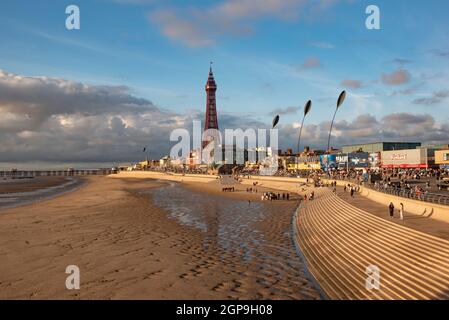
391,208
352,192
401,212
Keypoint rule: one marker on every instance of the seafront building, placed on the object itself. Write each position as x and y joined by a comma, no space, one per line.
376,147
442,158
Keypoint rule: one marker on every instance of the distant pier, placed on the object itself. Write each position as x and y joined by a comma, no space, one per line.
22,174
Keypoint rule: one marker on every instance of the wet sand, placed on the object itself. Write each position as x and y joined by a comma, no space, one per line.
142,239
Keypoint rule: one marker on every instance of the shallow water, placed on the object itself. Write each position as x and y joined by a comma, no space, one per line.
256,238
15,199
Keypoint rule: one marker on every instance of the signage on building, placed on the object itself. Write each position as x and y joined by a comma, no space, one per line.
305,166
353,160
412,158
374,160
328,162
399,156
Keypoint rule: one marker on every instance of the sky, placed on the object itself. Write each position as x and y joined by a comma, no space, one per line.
136,70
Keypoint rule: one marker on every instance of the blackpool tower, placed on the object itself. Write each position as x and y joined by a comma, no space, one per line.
211,121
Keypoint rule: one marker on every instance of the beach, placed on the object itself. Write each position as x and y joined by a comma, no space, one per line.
152,239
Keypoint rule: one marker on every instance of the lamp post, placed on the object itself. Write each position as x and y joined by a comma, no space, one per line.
273,157
275,123
307,109
145,150
340,101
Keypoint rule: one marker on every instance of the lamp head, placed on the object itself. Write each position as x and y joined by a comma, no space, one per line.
308,107
275,121
341,99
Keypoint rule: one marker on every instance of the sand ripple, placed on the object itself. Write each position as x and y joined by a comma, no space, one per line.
250,242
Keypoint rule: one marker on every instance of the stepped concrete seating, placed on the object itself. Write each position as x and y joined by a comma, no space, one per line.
339,241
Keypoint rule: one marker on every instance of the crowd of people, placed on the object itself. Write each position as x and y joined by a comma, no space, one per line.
270,196
409,183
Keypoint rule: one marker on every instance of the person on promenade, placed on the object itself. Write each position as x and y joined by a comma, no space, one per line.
401,212
352,192
391,207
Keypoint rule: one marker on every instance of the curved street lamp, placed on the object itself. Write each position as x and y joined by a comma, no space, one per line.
144,151
340,101
307,109
275,121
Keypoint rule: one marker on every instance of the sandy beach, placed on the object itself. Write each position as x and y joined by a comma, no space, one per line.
148,239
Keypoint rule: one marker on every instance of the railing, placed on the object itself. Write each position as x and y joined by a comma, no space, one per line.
423,196
420,196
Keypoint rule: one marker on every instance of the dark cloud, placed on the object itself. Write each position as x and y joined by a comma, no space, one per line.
284,111
435,98
440,53
60,120
401,61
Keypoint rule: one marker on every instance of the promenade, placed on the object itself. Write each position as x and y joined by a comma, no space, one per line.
339,241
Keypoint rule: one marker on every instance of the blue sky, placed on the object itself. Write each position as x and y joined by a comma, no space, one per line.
268,55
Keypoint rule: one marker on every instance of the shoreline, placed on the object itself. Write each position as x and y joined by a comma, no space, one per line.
22,194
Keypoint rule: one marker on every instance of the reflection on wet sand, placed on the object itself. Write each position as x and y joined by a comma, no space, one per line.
252,240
